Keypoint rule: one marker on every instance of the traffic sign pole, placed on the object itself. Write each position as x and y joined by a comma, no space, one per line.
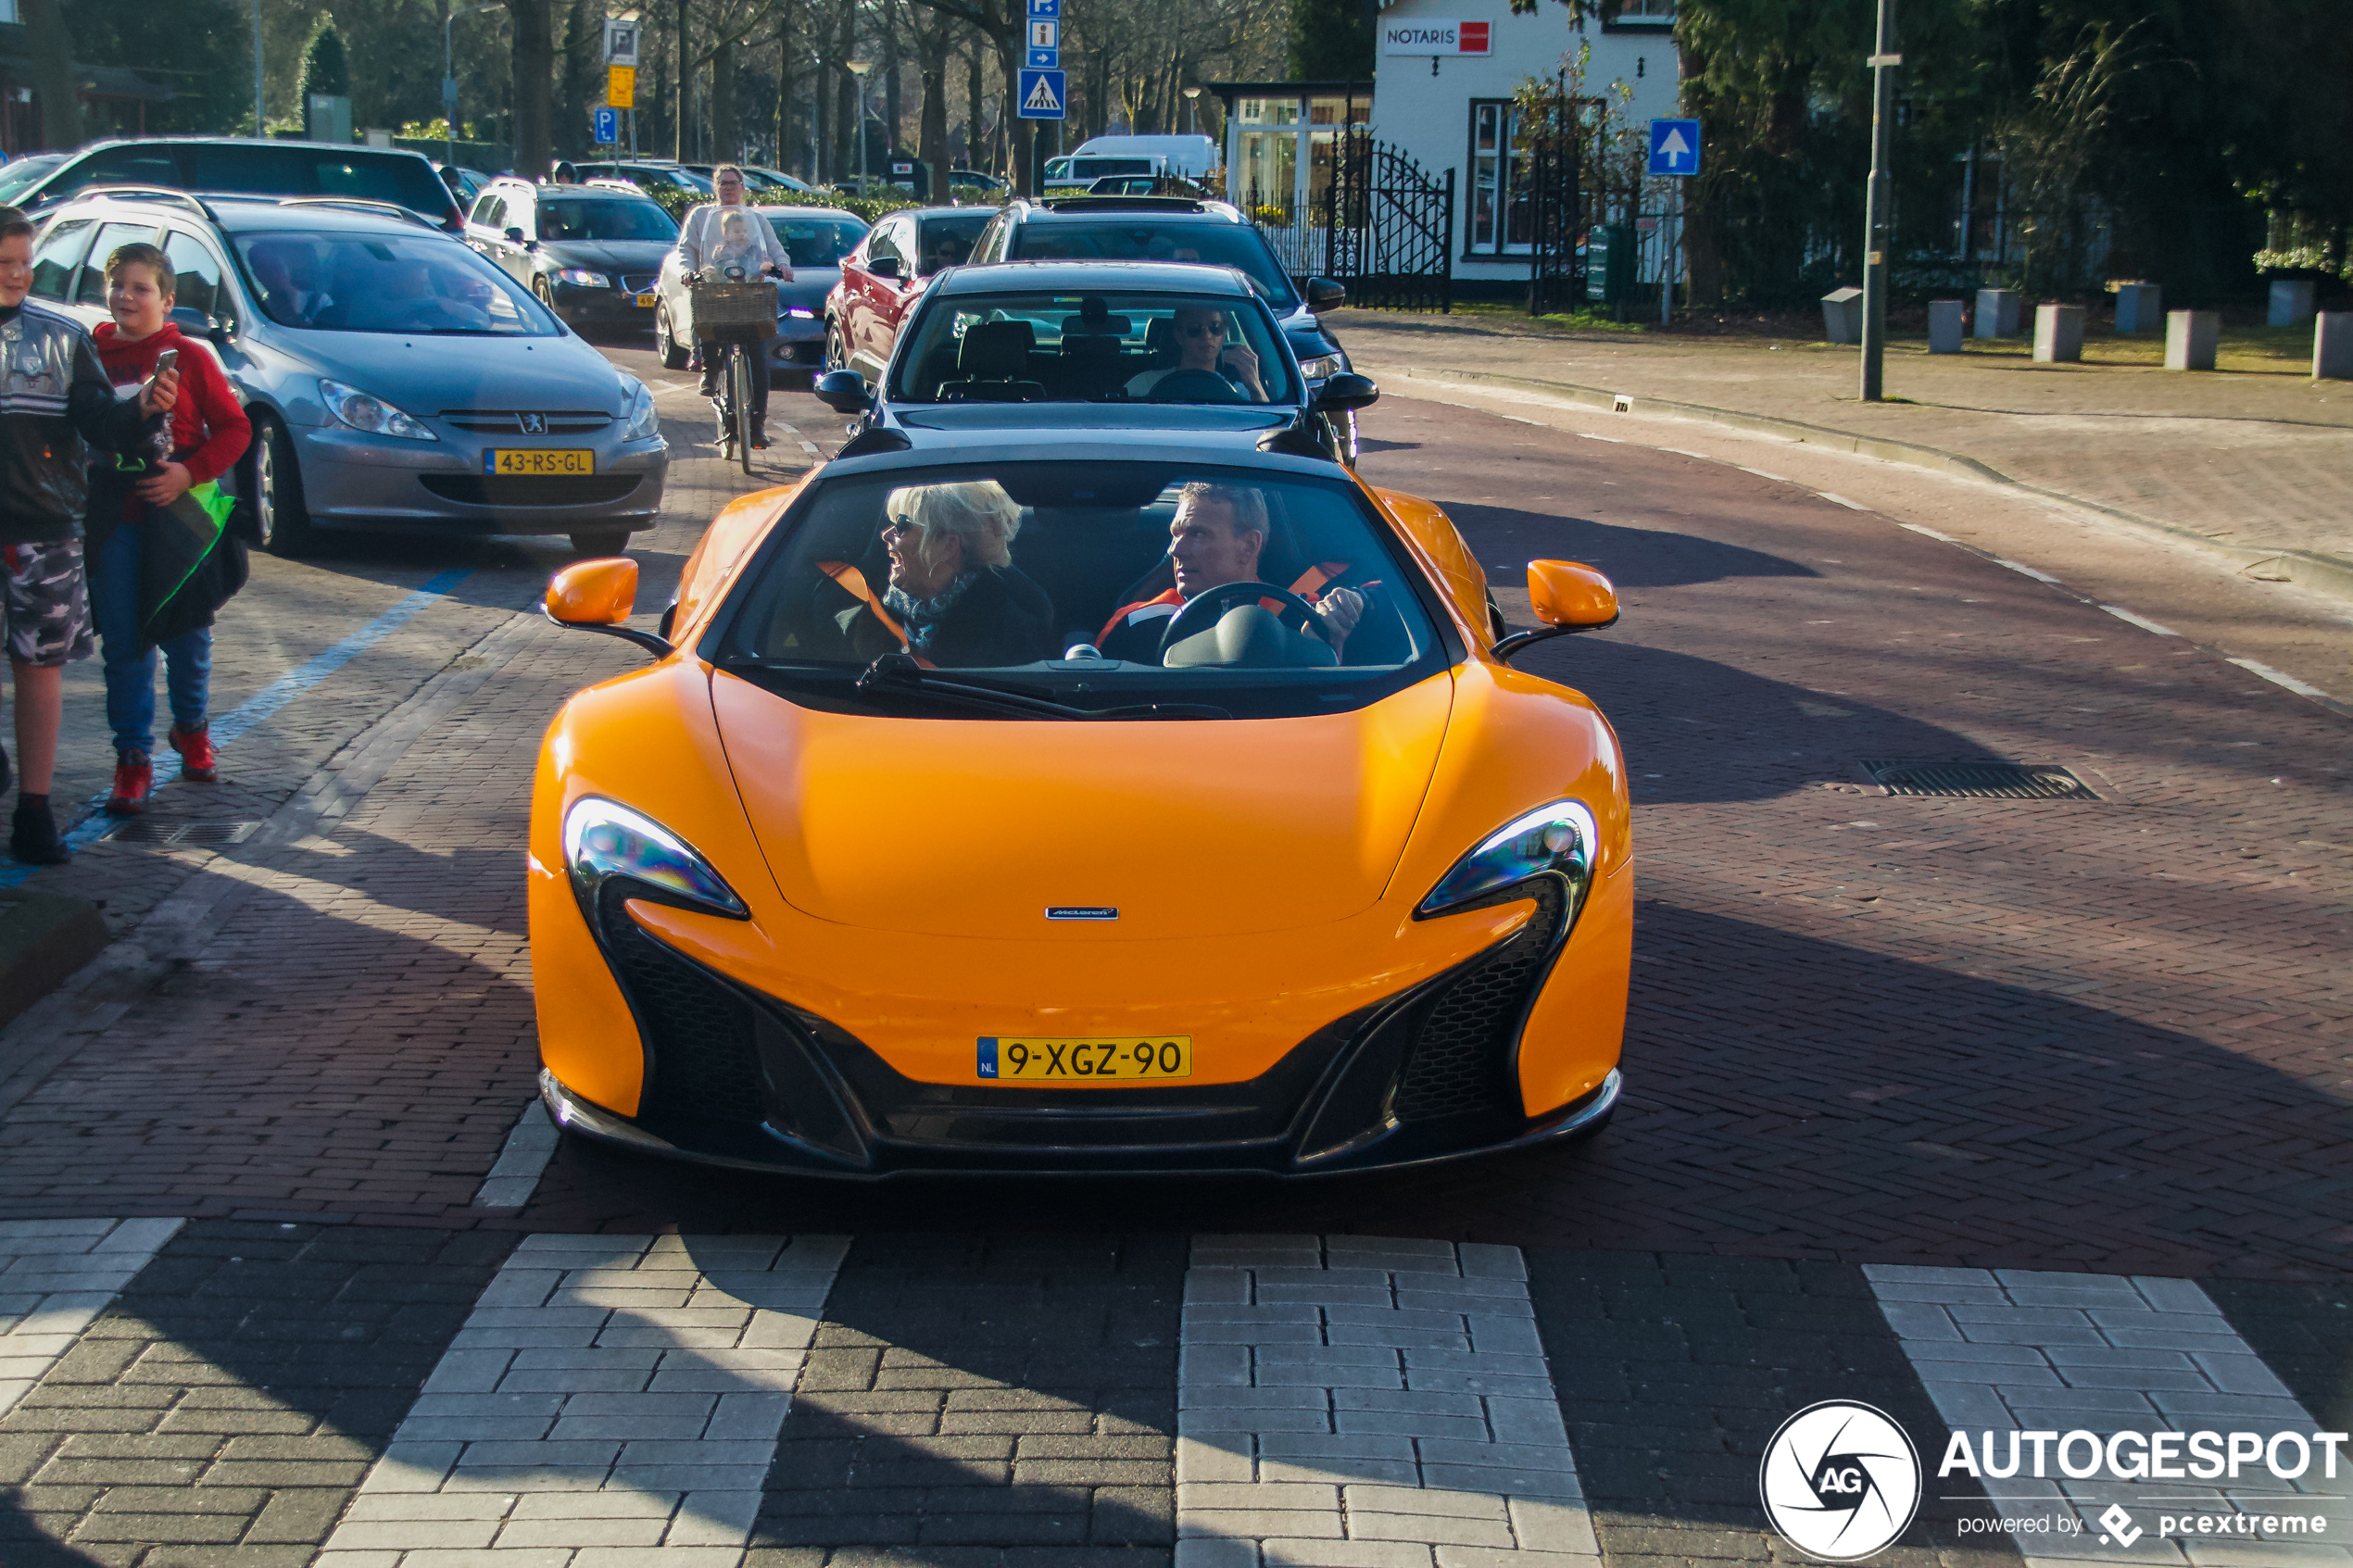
1674,155
1878,199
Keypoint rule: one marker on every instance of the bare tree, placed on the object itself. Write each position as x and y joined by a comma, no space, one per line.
44,26
533,85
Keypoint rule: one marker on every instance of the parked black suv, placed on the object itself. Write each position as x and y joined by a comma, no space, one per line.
240,164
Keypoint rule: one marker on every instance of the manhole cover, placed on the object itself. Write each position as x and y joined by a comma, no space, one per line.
1980,780
215,835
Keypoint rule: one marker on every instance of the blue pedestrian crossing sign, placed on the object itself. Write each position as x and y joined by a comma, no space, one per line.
607,123
1043,95
1675,146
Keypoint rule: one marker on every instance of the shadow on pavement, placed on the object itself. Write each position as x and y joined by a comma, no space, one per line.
1507,538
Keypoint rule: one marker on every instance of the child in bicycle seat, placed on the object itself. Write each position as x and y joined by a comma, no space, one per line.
736,247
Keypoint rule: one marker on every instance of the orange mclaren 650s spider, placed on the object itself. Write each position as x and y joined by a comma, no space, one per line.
1014,794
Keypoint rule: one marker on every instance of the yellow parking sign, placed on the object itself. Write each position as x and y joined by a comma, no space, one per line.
620,87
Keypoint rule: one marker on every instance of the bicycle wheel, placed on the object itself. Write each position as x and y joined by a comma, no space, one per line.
739,390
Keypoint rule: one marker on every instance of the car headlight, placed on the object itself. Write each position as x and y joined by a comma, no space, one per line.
605,841
800,313
581,278
643,421
362,412
1322,366
1558,839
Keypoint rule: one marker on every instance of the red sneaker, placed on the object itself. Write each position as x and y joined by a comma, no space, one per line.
134,780
198,763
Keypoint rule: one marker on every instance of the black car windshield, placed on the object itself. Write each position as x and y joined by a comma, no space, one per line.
1032,346
25,172
815,242
615,218
1128,237
1091,586
406,284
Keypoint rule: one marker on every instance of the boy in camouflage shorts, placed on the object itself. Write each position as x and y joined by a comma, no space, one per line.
54,396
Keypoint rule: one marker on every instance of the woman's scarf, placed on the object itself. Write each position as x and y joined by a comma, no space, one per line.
921,617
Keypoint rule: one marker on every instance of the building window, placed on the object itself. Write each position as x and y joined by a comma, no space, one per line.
1499,221
1649,15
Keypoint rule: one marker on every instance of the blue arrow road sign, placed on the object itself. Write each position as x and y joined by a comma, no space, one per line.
1043,59
1674,146
1043,95
608,126
1039,9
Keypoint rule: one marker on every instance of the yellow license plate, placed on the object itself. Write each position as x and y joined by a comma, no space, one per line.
1064,1062
645,301
539,459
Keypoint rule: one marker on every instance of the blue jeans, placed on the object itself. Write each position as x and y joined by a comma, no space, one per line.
131,666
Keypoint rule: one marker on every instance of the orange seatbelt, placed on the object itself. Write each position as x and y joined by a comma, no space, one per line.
1170,596
1315,577
854,581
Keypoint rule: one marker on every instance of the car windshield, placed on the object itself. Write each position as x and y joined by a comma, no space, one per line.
359,282
947,241
1091,586
815,242
611,219
24,172
1107,348
1096,167
1128,237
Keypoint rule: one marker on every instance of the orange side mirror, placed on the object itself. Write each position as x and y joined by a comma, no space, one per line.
1569,594
594,593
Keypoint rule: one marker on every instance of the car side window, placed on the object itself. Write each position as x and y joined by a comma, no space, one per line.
991,241
58,255
198,274
487,211
111,237
883,242
132,163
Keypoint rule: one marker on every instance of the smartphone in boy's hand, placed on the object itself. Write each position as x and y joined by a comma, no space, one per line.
167,361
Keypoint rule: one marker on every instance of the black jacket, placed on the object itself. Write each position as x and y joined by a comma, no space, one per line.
54,396
1002,619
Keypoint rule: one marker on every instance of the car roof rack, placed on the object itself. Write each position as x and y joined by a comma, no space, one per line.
168,196
361,203
1124,203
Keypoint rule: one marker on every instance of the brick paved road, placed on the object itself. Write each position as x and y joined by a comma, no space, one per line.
1866,1031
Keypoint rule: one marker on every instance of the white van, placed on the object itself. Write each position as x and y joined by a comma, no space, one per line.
1070,176
1190,157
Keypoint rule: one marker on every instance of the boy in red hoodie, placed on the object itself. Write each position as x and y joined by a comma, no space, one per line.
142,596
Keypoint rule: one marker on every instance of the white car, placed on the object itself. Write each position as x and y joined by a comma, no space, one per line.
816,238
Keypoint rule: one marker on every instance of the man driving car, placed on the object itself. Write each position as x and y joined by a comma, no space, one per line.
1202,348
1215,538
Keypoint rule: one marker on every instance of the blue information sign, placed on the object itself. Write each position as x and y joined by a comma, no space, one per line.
607,123
1674,146
1043,94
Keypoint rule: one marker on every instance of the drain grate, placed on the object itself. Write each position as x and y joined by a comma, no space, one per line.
1982,780
212,835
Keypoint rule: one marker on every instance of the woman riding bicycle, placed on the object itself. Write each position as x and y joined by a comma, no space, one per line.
701,243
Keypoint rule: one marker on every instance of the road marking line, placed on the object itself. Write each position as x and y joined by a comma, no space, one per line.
1763,474
259,707
61,1274
1947,538
2023,570
531,1142
1361,1399
1837,499
2281,678
2002,1350
2143,621
617,1391
1681,453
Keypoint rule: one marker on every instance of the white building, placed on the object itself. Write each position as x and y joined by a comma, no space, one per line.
1453,109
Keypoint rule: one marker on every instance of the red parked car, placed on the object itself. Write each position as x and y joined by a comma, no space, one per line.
881,280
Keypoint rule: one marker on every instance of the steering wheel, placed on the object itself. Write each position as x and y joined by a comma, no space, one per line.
1190,385
1205,608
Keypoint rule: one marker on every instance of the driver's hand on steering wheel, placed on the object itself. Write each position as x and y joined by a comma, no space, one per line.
1340,611
1242,364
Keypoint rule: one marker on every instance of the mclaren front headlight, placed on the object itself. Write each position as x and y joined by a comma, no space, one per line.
606,844
1557,840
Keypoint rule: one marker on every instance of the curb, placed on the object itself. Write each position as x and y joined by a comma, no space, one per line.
2306,568
44,937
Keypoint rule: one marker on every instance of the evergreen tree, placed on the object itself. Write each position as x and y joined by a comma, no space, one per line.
1331,40
325,69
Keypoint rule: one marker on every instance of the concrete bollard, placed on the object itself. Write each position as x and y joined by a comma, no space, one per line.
2190,337
2291,301
1997,312
1842,315
1945,326
2332,345
2140,307
2059,333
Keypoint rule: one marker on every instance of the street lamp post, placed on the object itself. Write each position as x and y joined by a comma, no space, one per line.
859,69
449,72
260,127
1879,200
1193,110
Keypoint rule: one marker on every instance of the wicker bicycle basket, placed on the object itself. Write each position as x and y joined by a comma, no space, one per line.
714,307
